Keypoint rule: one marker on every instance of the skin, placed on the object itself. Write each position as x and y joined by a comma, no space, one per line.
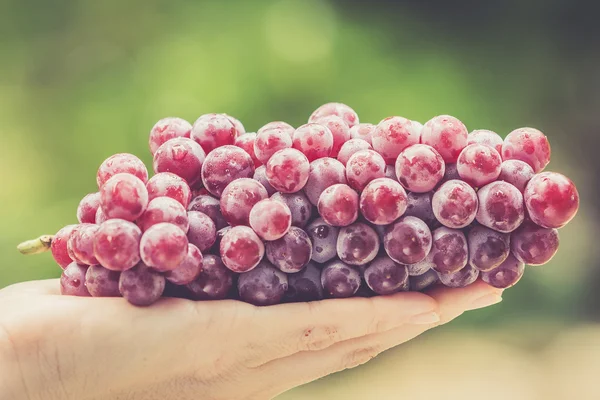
61,347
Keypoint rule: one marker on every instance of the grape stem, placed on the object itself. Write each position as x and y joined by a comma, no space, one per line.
36,246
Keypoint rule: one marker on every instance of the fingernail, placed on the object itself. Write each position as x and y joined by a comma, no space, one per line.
486,301
425,318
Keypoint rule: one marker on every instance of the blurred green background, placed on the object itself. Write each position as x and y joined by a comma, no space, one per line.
81,80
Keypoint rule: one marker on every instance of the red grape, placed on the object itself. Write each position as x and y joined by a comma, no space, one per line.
460,278
214,282
291,252
339,129
323,173
216,247
246,143
88,207
552,199
169,185
81,243
364,166
241,249
449,251
181,156
313,140
167,129
408,240
357,244
263,286
117,244
506,274
393,135
280,125
124,196
102,282
363,131
100,216
224,165
421,282
141,286
163,247
305,285
260,175
500,207
383,201
529,145
420,168
384,276
487,248
72,280
188,269
455,204
269,142
239,127
487,137
533,244
164,209
270,219
210,206
340,280
324,240
287,170
447,135
202,232
347,114
338,205
419,205
351,147
214,130
121,163
479,164
58,247
238,198
516,172
299,206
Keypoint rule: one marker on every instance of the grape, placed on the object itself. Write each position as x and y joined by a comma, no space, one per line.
461,278
447,135
533,244
224,165
102,282
188,269
117,244
338,205
383,201
529,145
484,136
393,135
407,241
283,126
214,130
305,285
124,196
324,240
214,282
88,207
299,206
420,168
246,142
364,166
239,197
141,286
339,129
287,170
347,114
552,199
487,248
363,131
384,276
260,175
167,184
291,252
100,216
340,280
216,247
455,204
210,206
516,172
479,164
202,232
419,205
500,207
81,243
421,282
390,172
270,219
357,244
58,247
167,129
419,268
181,156
269,142
323,173
263,286
450,174
72,280
239,127
506,274
163,246
164,209
241,249
351,147
121,163
449,251
313,140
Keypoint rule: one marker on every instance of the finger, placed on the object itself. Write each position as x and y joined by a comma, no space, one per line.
43,287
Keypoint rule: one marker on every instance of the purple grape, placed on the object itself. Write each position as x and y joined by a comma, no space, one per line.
324,240
419,205
72,280
449,251
299,206
323,173
533,244
292,252
421,282
340,280
264,285
506,274
202,232
357,244
384,276
461,278
305,285
420,267
102,282
210,206
501,207
260,175
141,286
214,282
188,269
408,240
223,165
487,248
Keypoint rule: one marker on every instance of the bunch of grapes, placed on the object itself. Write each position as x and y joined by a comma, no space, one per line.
333,208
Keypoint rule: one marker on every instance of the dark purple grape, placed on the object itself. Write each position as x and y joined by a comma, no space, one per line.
506,274
449,251
487,248
299,206
305,285
141,286
263,286
419,205
533,244
214,282
260,175
461,278
102,282
210,206
408,240
72,280
324,240
340,280
292,252
202,232
384,276
357,244
423,281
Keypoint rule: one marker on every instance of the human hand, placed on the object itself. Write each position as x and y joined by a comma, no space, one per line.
61,347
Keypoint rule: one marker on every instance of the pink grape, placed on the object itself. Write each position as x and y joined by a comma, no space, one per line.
291,252
419,205
305,285
500,207
188,269
460,278
260,175
552,199
486,137
141,286
393,135
324,240
383,201
270,219
181,156
455,204
487,248
202,232
170,185
313,140
214,282
164,209
214,130
351,147
447,135
529,145
357,244
408,240
269,142
241,249
287,170
163,247
246,143
534,245
210,206
121,163
384,276
338,205
262,286
420,168
363,167
421,282
58,246
81,243
280,125
479,164
340,280
299,206
167,129
223,165
88,207
323,173
449,251
124,196
72,280
239,127
516,172
347,114
506,274
363,131
238,198
117,244
339,129
102,282
100,216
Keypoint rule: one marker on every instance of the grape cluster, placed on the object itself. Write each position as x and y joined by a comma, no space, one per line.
334,208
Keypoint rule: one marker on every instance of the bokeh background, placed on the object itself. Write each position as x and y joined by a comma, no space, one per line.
81,80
